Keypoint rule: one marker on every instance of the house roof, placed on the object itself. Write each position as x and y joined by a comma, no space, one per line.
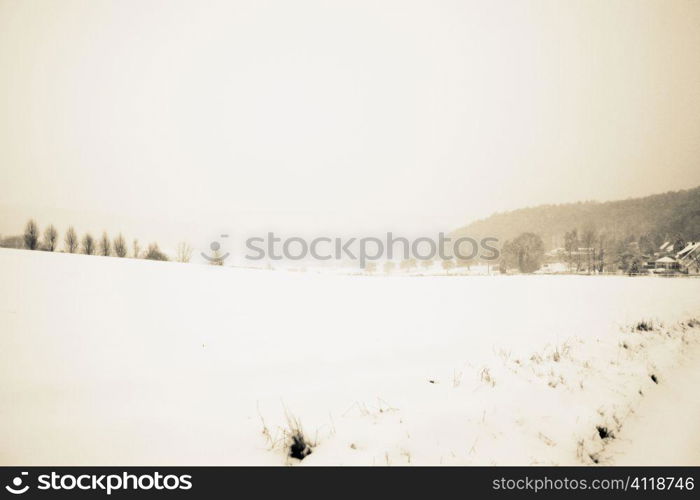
666,260
664,245
689,248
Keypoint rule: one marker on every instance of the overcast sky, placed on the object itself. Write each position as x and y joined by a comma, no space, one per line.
339,114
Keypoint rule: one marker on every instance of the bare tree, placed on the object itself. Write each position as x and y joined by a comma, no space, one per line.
571,244
50,238
105,245
31,235
137,249
120,246
88,244
526,252
588,239
71,240
184,252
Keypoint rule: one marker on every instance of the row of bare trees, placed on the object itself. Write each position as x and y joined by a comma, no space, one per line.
89,245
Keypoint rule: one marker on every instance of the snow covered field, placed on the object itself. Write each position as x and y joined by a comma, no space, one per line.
119,361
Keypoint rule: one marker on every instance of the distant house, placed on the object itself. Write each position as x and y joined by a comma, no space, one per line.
686,260
556,253
666,265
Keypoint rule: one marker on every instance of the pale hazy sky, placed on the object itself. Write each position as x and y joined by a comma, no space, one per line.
340,113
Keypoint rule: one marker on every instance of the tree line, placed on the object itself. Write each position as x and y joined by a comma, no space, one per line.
88,244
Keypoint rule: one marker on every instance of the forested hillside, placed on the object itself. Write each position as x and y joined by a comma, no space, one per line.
668,216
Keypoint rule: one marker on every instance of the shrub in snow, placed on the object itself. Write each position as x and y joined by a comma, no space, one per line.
297,444
604,432
154,253
644,326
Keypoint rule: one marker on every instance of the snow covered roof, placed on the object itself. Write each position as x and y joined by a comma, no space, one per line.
665,260
664,245
688,249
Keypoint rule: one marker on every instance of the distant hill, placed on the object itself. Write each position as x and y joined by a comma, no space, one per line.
662,216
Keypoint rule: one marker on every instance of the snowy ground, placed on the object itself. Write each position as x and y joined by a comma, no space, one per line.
111,361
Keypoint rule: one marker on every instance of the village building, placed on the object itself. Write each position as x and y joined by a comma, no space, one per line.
689,258
665,265
686,260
